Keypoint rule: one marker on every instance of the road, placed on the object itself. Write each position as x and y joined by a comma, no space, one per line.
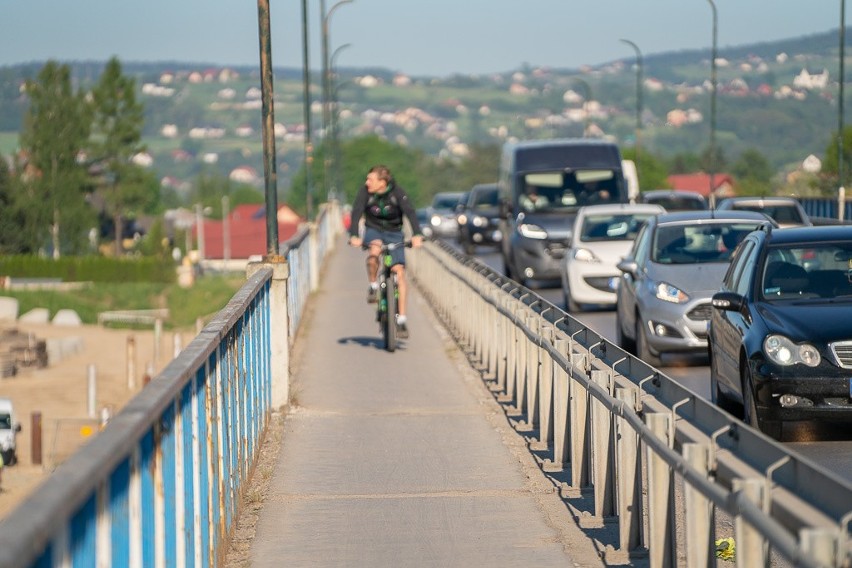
830,445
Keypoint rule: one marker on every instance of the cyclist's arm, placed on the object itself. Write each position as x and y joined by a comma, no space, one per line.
357,212
409,212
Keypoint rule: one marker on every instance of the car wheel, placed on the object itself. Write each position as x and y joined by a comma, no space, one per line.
719,398
751,416
624,342
643,350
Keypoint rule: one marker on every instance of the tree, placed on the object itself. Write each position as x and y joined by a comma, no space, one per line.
56,128
653,173
116,138
753,173
830,163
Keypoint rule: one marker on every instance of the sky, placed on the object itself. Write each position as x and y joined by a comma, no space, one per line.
426,37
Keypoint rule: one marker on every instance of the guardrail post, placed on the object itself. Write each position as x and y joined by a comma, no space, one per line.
279,340
602,449
627,475
545,389
661,518
751,547
579,431
561,431
313,256
512,353
533,370
698,510
820,544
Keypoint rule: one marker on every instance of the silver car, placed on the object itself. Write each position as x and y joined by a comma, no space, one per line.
676,264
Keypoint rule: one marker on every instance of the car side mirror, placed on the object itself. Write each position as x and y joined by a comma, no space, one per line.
17,427
728,301
628,266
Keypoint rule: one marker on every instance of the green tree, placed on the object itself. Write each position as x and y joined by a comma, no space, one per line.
753,173
830,163
653,172
55,130
116,137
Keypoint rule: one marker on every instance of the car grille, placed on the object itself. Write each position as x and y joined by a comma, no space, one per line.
842,353
700,312
556,249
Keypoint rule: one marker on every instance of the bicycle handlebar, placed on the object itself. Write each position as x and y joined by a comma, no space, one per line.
388,246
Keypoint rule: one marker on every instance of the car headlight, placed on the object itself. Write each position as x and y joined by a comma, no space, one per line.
479,221
669,293
585,255
435,220
531,231
783,351
462,219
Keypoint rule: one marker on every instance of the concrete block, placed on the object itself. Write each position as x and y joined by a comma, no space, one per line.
68,318
36,315
8,308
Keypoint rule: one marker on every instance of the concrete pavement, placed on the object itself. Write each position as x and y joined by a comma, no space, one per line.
401,459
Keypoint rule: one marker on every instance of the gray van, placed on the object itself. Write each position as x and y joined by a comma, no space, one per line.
542,184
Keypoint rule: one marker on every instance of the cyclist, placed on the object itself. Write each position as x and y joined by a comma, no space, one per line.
384,205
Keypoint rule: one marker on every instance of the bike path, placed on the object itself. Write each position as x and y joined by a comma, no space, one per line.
404,458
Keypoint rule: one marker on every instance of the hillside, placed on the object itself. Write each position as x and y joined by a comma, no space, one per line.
201,117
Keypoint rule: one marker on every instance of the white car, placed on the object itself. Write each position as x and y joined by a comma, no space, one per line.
602,236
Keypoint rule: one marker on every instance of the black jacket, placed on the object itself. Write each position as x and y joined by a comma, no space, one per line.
383,211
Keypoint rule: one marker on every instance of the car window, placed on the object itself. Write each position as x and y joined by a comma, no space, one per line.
612,227
485,199
803,271
743,277
678,203
787,214
640,245
565,191
5,422
690,244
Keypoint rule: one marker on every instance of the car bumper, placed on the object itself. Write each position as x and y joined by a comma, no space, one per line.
823,394
538,258
591,285
677,328
480,236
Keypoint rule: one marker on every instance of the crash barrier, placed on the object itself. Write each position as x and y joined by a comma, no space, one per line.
824,210
160,484
650,450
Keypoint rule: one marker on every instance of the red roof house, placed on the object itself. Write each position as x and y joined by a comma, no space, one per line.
723,184
247,227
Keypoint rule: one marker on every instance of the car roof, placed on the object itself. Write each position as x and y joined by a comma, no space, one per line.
620,208
653,193
772,200
484,187
822,233
711,215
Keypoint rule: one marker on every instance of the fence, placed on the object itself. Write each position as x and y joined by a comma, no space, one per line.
627,432
161,483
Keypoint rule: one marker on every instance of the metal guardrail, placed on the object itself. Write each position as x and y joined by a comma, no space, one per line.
627,432
148,317
161,483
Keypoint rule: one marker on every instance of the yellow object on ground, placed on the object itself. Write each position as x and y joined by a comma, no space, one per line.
726,549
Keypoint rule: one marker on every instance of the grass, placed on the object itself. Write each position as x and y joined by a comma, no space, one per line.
207,296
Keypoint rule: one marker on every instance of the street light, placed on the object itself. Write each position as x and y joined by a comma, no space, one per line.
841,190
713,109
306,94
326,80
335,135
638,94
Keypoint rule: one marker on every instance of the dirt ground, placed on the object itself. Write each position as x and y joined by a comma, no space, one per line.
60,393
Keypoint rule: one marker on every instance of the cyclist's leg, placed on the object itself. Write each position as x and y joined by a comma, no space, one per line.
401,286
374,240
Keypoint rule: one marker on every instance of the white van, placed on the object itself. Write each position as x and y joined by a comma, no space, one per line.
9,429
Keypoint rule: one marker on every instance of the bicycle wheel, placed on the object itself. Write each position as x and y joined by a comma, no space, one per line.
390,324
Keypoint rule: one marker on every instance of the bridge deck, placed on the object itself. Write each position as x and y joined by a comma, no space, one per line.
401,459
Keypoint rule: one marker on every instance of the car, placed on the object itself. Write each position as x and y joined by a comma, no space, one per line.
674,199
425,224
542,185
787,211
780,342
9,429
676,264
442,213
479,220
601,238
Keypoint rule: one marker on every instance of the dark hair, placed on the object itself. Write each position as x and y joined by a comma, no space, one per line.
383,172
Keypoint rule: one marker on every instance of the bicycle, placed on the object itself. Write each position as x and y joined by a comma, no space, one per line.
387,295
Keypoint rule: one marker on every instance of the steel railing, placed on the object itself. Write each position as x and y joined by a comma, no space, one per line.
161,483
626,432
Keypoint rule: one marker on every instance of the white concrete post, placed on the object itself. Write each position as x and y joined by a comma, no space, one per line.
93,391
131,362
279,326
313,250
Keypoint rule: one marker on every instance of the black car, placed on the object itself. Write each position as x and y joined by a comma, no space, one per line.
479,220
674,199
780,338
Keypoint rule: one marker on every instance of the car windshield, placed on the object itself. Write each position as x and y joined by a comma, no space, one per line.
678,203
5,422
818,270
567,191
445,201
485,199
696,243
783,214
613,227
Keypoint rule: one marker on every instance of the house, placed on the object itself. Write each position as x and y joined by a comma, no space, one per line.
246,225
723,184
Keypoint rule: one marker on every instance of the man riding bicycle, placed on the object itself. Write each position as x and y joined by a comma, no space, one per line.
384,205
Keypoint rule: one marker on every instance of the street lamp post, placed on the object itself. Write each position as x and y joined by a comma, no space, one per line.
335,135
326,83
713,109
306,95
638,95
841,190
